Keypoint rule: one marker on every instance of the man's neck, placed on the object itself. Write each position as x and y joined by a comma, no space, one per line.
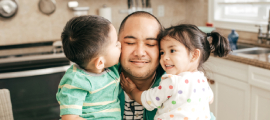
142,84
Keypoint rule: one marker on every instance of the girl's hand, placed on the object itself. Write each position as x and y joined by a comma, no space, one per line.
127,85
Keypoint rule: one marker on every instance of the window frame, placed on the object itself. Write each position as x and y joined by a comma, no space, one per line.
242,25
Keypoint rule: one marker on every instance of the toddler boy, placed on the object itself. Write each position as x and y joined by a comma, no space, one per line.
89,88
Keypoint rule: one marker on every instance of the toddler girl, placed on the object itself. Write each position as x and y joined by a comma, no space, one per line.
183,93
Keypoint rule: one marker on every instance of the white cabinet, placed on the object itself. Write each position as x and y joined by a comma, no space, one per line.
242,92
260,104
232,98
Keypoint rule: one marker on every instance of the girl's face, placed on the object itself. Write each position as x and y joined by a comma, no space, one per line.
174,57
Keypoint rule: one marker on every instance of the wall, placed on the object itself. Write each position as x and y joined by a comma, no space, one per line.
29,25
196,12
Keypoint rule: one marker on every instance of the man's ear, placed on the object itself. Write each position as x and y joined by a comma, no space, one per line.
99,63
195,55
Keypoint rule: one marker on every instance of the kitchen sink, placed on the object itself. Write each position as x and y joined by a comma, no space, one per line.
253,51
242,46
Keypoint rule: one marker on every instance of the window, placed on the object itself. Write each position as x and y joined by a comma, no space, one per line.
239,14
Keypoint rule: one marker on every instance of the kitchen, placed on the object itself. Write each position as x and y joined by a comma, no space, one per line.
31,31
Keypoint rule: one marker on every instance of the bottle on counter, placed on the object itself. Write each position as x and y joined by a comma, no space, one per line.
233,38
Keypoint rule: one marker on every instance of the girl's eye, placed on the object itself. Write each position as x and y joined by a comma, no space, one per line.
161,53
172,51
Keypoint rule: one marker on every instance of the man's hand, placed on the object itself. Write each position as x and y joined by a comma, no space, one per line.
127,85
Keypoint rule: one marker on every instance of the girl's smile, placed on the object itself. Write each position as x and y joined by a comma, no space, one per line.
174,57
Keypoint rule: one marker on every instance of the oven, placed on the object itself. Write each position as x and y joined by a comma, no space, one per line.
33,81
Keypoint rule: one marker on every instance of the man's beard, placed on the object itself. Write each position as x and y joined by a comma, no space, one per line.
143,75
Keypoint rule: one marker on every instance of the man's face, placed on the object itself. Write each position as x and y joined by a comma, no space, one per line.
140,50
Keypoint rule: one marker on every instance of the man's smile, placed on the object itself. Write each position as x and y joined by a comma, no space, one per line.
139,62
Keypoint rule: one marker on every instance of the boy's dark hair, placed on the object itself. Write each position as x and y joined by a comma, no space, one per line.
83,38
193,38
140,13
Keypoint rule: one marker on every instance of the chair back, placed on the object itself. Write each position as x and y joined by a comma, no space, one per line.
5,105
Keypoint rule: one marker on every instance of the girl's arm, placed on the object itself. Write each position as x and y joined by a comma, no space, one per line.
131,89
152,98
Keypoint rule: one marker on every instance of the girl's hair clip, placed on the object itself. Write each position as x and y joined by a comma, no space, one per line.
208,34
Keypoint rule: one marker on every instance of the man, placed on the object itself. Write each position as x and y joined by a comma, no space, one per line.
139,59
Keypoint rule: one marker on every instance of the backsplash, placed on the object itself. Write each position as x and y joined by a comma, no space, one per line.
29,25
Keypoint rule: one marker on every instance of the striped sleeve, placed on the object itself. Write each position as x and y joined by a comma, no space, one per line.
70,95
71,100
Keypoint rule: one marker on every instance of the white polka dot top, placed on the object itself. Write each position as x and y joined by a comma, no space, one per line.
180,97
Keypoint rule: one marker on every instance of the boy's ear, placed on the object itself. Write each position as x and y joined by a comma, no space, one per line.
99,63
195,55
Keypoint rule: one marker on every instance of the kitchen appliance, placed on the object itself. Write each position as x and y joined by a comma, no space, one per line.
32,72
47,6
8,8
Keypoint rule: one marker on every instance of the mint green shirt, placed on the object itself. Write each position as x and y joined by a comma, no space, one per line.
89,95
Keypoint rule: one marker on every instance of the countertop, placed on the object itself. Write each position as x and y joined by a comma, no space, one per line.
262,61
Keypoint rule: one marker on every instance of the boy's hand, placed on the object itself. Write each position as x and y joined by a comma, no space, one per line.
72,117
127,85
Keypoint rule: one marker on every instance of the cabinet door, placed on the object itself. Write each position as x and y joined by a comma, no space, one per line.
232,98
260,104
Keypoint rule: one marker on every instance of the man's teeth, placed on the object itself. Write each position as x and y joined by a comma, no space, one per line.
140,62
169,65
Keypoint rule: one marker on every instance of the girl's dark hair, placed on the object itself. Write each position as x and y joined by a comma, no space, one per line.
193,38
84,37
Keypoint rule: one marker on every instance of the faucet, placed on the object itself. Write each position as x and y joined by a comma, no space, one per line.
266,36
268,29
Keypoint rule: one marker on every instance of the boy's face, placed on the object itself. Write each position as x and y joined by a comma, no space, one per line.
113,49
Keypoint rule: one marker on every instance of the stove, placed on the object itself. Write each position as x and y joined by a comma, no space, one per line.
32,73
31,56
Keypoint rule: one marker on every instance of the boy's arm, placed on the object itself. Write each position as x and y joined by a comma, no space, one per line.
71,99
72,117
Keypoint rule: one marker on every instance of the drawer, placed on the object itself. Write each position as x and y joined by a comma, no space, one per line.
227,68
259,77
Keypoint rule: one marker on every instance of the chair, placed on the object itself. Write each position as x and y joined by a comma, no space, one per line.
5,105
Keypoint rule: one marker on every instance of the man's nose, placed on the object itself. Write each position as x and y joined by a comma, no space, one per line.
140,50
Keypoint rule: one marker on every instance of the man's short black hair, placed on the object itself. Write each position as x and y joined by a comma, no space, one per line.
83,38
140,13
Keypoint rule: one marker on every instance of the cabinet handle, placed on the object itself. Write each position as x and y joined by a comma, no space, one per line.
211,81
